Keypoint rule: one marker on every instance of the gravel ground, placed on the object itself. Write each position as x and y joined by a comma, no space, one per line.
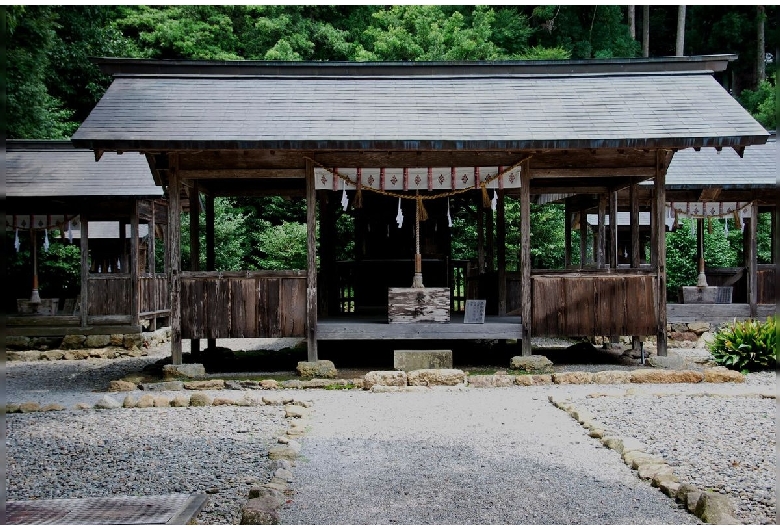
479,456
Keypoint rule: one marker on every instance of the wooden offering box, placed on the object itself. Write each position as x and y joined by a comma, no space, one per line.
408,304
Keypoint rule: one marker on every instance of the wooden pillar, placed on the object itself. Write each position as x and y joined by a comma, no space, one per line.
567,237
633,193
150,264
660,246
636,258
752,261
602,234
123,252
525,256
489,235
775,232
84,302
613,230
583,238
501,236
210,250
480,236
135,292
700,246
174,257
194,246
328,284
311,265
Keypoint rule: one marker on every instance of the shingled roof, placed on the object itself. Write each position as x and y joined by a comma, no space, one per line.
607,104
57,169
757,169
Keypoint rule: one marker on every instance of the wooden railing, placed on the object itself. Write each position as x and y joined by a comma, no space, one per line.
154,295
109,294
589,303
243,304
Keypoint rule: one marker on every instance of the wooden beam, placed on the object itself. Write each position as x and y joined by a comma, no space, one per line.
260,173
752,261
84,302
501,236
194,244
135,291
613,230
602,233
660,244
560,173
311,264
583,238
636,258
525,257
174,258
709,194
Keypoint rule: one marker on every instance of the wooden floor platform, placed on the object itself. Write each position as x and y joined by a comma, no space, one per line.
377,328
714,313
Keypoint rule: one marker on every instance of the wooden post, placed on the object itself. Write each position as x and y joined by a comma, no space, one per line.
211,344
194,246
583,238
636,258
775,232
700,247
174,257
613,230
636,343
311,265
123,246
84,302
501,236
525,256
567,237
489,234
752,261
660,244
480,235
150,264
602,234
135,292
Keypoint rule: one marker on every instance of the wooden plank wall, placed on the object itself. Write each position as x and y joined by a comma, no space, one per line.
581,304
243,304
766,284
154,295
109,294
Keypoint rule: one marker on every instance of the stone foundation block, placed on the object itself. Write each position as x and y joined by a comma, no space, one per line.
173,371
18,343
211,384
121,386
572,378
133,341
666,376
698,327
444,377
97,341
721,374
530,363
24,355
409,360
317,369
262,510
384,377
612,377
72,342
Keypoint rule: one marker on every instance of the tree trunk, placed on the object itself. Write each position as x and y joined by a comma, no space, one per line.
679,49
645,31
632,22
761,53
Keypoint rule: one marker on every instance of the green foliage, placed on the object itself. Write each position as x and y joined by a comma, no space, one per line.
746,346
762,102
283,246
231,240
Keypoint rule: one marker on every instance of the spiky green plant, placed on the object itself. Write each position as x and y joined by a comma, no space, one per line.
746,346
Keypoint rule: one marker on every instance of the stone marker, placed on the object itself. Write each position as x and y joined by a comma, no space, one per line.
408,360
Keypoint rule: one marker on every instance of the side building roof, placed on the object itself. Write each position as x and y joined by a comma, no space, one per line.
57,169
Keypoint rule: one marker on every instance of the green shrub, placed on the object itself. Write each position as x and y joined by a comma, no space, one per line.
746,346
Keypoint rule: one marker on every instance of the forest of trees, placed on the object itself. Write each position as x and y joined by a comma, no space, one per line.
52,84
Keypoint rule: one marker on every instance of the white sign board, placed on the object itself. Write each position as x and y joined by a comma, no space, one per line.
475,312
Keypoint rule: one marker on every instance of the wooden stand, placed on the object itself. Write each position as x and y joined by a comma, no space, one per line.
407,304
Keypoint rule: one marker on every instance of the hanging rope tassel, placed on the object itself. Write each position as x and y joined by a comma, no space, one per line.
494,202
46,239
449,219
726,227
738,221
70,233
421,209
693,227
399,218
358,202
17,245
485,197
